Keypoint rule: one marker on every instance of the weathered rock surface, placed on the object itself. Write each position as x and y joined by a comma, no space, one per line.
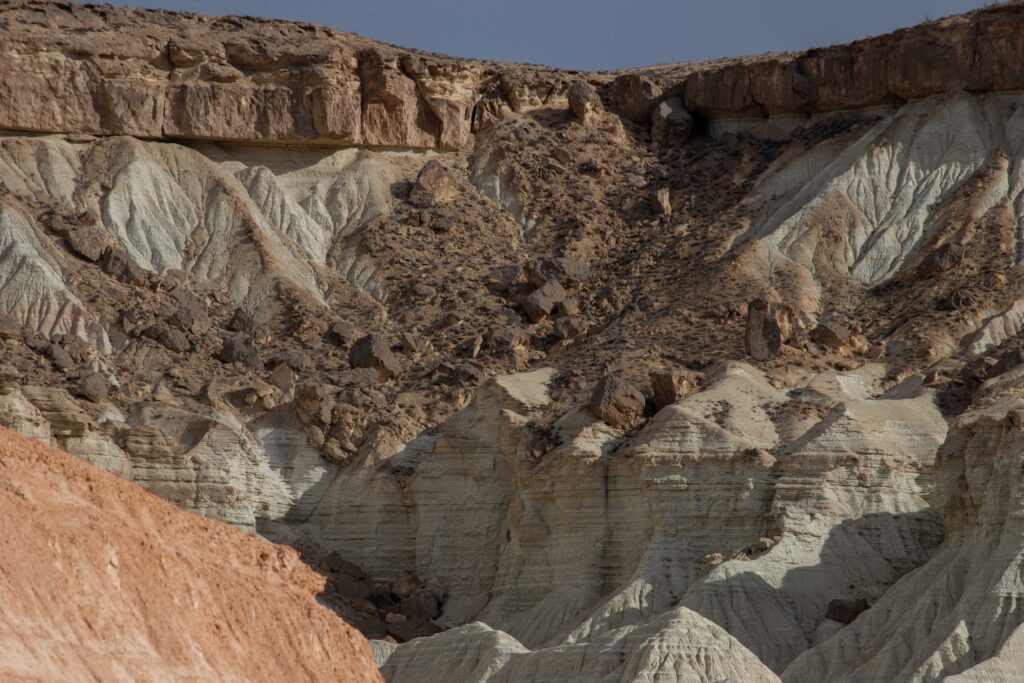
679,646
118,614
382,345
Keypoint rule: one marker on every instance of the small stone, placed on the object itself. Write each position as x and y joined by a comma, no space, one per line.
315,436
570,307
283,378
241,321
663,202
294,359
570,327
342,333
412,344
471,347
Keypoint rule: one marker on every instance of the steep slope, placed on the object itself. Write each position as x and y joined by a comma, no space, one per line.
694,372
101,581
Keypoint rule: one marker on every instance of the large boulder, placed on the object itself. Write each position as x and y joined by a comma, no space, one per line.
671,124
434,185
563,268
543,300
769,326
373,351
671,386
584,102
634,96
619,403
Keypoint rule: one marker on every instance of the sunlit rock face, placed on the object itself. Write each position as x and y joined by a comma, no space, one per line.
698,372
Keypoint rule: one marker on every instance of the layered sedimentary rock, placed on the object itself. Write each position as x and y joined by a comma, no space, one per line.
697,372
110,71
678,645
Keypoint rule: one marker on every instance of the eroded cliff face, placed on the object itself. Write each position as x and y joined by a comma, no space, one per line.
695,373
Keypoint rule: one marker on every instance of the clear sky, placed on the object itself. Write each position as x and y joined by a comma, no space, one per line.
594,34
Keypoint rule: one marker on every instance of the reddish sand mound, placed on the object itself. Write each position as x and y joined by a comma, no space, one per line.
102,581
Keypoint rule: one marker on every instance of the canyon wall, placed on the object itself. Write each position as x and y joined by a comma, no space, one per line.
554,375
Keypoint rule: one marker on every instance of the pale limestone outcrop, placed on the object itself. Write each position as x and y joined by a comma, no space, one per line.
32,286
865,207
601,533
677,647
223,216
851,521
956,612
979,51
254,477
124,72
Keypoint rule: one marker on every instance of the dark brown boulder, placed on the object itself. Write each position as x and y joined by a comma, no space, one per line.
408,629
769,326
618,403
543,300
671,386
564,269
239,348
168,337
420,604
671,124
373,351
116,263
95,388
82,234
61,359
188,312
946,257
634,96
434,185
845,610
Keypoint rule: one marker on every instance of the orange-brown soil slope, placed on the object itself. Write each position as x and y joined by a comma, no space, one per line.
102,581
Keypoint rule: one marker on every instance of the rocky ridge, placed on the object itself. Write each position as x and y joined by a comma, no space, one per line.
694,372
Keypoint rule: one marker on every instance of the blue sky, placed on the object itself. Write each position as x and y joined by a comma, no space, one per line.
595,34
